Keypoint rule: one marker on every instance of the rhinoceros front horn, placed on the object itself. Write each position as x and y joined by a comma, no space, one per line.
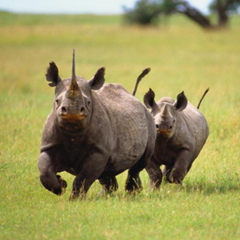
74,89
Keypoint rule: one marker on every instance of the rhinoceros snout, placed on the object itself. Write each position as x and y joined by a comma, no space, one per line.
65,111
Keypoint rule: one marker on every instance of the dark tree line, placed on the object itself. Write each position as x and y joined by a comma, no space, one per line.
147,12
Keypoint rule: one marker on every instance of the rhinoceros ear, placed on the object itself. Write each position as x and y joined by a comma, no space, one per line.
181,102
149,99
98,80
52,75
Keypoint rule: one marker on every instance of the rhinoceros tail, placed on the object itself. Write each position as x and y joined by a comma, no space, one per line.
206,91
143,74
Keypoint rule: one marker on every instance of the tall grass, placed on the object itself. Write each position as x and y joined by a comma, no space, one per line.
182,57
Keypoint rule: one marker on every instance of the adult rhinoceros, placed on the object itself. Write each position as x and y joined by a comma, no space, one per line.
94,131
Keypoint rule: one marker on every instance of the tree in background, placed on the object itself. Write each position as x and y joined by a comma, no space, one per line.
223,8
147,12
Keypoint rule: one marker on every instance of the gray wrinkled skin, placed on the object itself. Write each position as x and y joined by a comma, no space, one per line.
94,131
182,130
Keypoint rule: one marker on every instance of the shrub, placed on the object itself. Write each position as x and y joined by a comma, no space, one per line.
145,12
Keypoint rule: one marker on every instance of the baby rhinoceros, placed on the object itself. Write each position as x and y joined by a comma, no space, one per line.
182,130
94,131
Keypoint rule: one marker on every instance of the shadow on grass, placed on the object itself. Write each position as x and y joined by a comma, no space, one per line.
221,185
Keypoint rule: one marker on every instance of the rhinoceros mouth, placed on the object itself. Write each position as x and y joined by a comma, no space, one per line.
164,132
73,118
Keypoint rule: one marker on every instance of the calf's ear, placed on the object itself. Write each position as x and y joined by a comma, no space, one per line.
181,102
52,75
98,80
149,100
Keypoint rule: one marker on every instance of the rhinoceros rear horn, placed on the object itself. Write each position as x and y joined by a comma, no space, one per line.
52,75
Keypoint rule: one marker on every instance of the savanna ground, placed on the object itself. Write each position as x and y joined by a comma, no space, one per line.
182,57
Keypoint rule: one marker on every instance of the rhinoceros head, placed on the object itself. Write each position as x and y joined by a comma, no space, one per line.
73,96
165,112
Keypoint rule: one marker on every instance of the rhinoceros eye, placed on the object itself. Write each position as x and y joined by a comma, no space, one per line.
58,102
87,102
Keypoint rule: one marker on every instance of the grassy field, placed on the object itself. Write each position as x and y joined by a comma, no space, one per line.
182,57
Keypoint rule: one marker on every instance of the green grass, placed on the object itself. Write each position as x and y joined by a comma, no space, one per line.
182,57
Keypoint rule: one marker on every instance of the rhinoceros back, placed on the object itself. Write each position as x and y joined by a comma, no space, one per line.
197,125
131,122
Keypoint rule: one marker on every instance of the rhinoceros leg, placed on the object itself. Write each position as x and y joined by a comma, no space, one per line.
181,167
167,171
109,184
154,173
48,177
133,182
91,170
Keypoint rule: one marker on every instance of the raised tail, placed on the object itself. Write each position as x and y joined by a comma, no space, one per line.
206,91
144,73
